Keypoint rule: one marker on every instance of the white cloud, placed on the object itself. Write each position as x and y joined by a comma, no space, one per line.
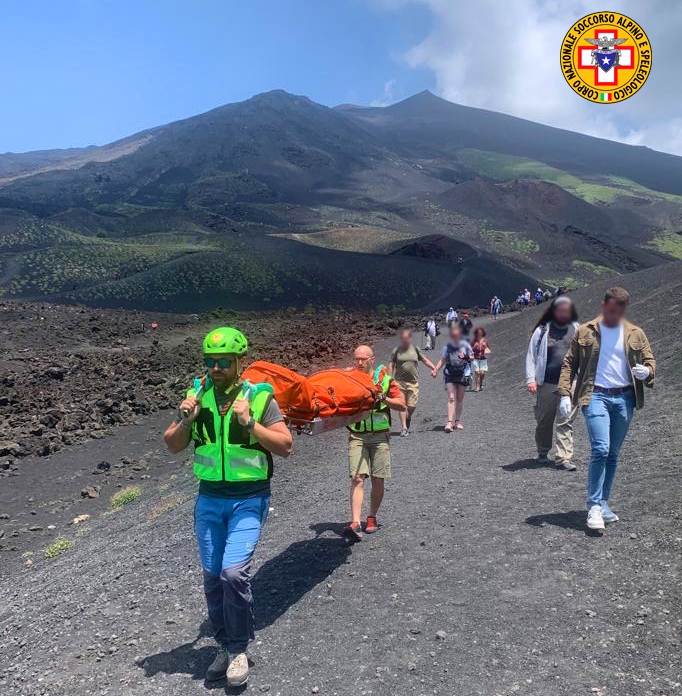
388,95
504,56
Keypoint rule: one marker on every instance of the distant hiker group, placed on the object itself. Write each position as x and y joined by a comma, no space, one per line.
237,424
526,298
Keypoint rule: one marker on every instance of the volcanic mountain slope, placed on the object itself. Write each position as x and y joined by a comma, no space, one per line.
156,218
271,147
425,126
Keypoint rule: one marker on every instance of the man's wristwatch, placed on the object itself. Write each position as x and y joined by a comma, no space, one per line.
251,423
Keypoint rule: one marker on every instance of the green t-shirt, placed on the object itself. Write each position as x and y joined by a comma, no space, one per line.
406,361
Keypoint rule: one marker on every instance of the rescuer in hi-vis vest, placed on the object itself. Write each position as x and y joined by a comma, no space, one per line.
369,452
235,428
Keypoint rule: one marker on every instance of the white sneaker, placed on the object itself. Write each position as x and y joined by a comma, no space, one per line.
595,519
238,671
608,514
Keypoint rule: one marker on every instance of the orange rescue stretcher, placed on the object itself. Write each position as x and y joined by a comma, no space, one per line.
323,401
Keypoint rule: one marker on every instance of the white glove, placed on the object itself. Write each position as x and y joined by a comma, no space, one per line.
565,406
640,372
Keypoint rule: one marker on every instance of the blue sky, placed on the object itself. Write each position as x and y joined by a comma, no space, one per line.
90,71
80,72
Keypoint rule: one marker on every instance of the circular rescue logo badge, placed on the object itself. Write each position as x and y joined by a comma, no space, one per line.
606,57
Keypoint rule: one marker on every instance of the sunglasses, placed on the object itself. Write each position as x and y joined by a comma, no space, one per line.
222,363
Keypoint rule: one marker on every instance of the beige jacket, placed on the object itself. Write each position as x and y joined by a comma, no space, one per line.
582,357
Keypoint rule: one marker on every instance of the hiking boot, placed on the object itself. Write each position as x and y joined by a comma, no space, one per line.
371,525
595,519
238,671
608,515
543,458
566,466
353,531
404,432
458,425
218,668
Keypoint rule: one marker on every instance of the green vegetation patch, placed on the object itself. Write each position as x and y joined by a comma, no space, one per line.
635,189
125,496
123,209
593,268
366,240
506,240
68,268
505,167
605,189
569,282
582,273
596,193
669,243
36,234
58,547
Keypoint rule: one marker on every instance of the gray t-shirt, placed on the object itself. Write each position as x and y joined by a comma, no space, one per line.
243,489
449,351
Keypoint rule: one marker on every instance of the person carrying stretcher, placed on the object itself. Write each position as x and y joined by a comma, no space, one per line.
369,452
236,427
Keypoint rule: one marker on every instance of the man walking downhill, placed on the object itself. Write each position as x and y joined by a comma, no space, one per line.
495,306
465,326
612,361
430,332
235,433
547,349
405,360
369,452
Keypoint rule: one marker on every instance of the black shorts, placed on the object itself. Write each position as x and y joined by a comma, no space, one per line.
463,380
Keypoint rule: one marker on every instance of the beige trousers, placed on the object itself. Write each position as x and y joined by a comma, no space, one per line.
551,427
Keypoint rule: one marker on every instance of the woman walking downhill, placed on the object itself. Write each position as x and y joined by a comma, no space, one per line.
546,351
456,357
481,349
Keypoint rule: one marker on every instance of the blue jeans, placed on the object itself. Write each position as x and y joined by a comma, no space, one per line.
608,418
227,531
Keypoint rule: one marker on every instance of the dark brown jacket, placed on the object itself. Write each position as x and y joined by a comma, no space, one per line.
581,360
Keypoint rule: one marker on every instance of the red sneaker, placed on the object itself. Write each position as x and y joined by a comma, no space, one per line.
458,425
353,532
371,525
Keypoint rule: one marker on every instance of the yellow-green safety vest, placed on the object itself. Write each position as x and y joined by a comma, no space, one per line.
379,419
224,450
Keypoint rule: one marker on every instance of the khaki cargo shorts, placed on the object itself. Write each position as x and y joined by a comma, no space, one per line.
410,391
369,454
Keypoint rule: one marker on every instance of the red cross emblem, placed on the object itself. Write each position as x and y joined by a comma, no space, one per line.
606,78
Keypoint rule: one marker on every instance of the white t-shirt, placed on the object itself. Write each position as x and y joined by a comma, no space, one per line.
431,328
613,369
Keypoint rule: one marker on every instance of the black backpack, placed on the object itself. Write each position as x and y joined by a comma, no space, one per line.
455,366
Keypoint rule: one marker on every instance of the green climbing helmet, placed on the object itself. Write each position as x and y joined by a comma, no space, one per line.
225,339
